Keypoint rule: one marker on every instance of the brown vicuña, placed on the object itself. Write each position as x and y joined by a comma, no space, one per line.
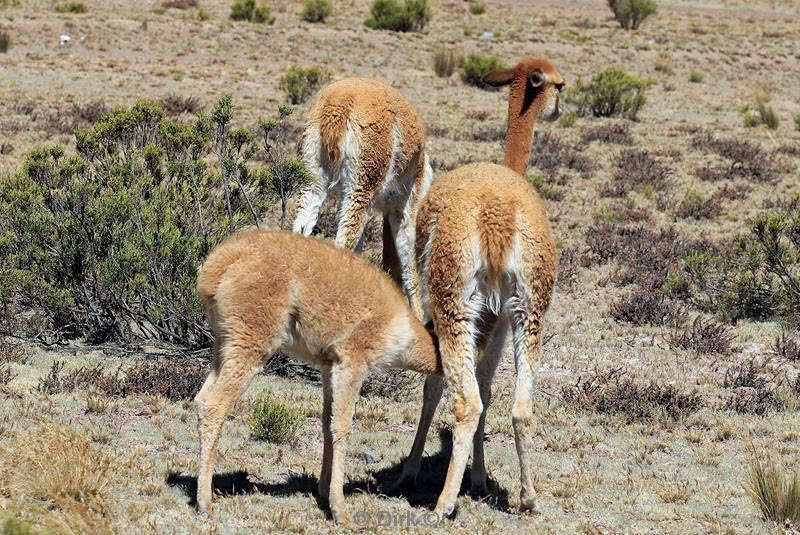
266,291
487,262
364,141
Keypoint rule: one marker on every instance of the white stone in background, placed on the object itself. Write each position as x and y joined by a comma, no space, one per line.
64,39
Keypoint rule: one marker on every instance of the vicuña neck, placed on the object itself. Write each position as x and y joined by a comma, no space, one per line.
521,118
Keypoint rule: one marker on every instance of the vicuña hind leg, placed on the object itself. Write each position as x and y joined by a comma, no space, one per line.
485,373
527,353
237,369
431,394
345,382
327,439
458,357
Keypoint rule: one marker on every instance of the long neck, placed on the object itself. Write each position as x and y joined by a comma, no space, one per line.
423,353
521,118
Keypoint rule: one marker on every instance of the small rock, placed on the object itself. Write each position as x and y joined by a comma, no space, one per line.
64,39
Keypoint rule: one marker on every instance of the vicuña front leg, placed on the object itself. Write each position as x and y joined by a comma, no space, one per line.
327,439
345,382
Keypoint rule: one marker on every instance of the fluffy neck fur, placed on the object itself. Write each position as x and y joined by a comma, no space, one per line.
522,113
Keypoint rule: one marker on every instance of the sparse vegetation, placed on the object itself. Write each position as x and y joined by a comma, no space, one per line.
444,62
774,489
274,421
175,104
796,119
618,133
5,42
473,67
567,119
550,153
703,336
631,13
179,4
71,7
299,83
412,16
612,92
746,159
316,10
249,11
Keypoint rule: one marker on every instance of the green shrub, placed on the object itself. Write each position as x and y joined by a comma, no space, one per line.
796,119
412,16
71,7
444,62
273,421
631,13
477,8
696,77
203,14
610,92
316,10
767,115
5,42
248,10
474,66
106,244
302,82
567,119
751,120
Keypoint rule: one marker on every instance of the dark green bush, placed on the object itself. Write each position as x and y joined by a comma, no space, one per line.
412,16
302,82
106,244
474,66
249,11
316,10
609,93
631,13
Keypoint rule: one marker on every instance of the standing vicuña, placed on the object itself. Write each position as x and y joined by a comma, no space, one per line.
486,259
365,141
267,290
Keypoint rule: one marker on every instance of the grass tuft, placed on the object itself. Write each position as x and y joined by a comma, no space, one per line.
774,489
274,422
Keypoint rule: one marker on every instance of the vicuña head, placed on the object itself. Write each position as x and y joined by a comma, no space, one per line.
535,92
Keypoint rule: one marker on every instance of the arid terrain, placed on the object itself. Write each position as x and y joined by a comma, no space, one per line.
601,465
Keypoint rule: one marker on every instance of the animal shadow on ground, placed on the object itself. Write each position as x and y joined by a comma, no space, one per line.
423,493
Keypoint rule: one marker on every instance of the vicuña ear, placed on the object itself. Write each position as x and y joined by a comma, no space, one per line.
537,78
498,77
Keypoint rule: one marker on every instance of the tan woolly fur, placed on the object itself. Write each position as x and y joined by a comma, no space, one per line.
364,142
265,291
487,264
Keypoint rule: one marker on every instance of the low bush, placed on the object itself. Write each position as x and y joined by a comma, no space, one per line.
567,119
774,489
551,153
703,337
643,306
618,133
300,83
746,159
696,207
249,11
475,66
631,13
636,169
71,7
796,119
179,4
175,104
5,42
316,10
696,77
612,92
412,16
477,8
175,379
787,347
275,422
444,62
615,392
752,392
